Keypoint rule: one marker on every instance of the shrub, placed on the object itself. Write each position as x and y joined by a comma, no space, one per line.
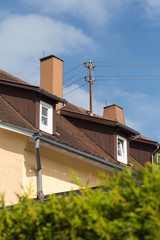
130,209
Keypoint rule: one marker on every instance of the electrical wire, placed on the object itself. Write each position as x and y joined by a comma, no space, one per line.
127,61
128,65
152,75
76,89
75,75
73,82
121,79
73,69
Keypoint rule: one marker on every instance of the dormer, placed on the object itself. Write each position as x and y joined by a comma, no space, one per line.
38,104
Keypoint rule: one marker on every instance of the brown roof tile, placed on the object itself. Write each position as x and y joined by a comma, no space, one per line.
6,76
73,108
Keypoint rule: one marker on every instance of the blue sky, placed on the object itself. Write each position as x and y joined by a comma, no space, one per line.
117,31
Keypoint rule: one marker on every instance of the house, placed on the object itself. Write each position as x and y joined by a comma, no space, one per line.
43,137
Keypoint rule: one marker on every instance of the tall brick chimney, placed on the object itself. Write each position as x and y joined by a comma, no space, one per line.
51,75
114,112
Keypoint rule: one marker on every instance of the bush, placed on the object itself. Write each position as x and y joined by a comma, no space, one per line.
129,210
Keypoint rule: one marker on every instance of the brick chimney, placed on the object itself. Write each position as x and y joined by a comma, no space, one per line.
114,112
51,76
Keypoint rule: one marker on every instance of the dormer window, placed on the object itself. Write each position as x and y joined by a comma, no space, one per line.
46,117
121,149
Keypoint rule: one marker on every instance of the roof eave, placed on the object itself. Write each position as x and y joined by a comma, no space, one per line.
127,129
80,153
55,98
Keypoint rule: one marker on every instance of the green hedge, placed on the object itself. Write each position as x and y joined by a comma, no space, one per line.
128,211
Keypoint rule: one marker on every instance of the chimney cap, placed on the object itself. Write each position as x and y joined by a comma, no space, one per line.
113,106
50,56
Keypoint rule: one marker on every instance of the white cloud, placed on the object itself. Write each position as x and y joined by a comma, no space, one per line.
151,8
23,39
141,110
95,12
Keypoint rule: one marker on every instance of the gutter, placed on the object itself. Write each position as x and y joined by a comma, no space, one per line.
14,128
47,94
81,153
127,128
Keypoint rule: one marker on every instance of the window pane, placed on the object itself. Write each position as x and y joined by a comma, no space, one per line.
44,121
120,147
44,111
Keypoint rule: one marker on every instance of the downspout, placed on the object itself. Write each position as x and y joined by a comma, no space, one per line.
134,138
60,108
40,194
152,154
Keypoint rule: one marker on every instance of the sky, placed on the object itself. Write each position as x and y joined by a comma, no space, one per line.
120,37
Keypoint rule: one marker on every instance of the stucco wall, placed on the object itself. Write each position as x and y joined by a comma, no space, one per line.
56,170
11,164
18,168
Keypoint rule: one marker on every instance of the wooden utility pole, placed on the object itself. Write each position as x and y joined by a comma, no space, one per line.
91,68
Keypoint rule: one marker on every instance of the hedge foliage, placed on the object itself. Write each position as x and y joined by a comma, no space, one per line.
127,211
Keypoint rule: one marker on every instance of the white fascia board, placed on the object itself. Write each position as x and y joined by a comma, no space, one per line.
16,129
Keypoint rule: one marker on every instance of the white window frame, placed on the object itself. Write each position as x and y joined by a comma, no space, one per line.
158,159
49,127
123,158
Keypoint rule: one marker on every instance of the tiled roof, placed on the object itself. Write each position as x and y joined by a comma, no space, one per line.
73,108
145,138
69,134
6,76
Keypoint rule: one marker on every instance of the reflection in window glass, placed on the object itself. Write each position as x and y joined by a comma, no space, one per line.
44,120
44,111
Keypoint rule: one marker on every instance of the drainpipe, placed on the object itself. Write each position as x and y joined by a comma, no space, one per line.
134,138
152,154
61,107
40,194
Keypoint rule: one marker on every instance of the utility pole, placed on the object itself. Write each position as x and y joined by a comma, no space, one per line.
91,68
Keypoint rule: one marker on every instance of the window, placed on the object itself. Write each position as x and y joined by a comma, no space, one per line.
46,117
121,149
158,160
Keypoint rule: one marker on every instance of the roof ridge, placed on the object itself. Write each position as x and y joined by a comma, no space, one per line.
10,105
11,77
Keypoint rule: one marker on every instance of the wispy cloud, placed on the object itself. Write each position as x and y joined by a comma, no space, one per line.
94,12
23,39
151,9
141,110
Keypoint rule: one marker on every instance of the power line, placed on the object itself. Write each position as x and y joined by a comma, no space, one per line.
128,61
131,79
147,75
75,75
76,89
73,82
72,69
128,65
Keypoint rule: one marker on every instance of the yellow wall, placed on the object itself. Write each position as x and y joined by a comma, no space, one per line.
11,164
18,168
